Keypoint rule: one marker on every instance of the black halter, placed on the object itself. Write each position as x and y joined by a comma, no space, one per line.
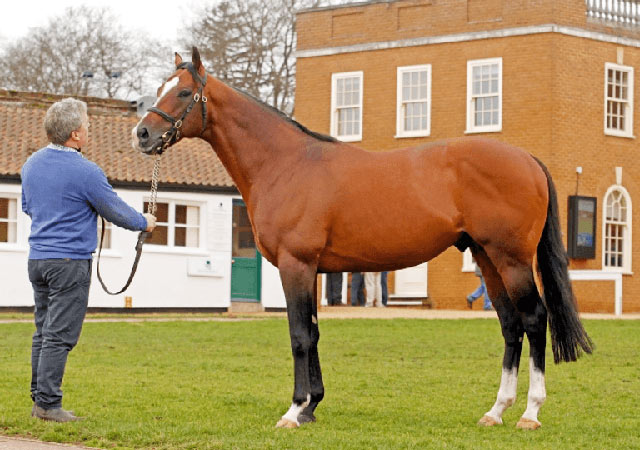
172,135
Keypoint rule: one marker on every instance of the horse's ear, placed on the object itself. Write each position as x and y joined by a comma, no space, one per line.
178,59
195,60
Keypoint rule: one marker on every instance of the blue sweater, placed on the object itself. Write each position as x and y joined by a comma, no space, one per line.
63,193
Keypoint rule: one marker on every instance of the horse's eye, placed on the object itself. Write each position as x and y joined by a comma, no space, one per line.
185,93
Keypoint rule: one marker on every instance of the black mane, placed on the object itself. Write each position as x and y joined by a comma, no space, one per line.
298,125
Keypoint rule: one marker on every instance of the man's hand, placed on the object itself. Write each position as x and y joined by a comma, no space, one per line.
151,222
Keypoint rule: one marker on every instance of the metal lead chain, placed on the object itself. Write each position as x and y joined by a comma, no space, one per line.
154,186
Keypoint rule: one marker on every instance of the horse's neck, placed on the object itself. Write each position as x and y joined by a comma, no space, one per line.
252,142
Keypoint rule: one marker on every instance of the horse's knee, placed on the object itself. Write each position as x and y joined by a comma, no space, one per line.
300,343
535,318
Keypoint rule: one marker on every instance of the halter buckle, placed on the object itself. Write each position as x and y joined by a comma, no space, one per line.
166,136
178,124
196,97
204,99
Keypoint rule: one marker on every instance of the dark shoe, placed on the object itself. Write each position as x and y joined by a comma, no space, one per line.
54,415
33,411
469,302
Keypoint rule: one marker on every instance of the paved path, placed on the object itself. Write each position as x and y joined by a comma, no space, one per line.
8,443
325,312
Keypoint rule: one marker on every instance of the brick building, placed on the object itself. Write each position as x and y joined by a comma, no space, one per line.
554,77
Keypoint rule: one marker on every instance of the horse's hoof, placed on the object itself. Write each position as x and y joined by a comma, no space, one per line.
286,423
528,424
304,418
488,421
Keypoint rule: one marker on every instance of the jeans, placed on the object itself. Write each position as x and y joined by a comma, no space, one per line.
61,294
385,290
357,293
479,292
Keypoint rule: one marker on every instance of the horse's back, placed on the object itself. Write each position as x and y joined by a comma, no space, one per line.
406,206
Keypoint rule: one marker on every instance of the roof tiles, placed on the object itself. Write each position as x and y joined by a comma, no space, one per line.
190,163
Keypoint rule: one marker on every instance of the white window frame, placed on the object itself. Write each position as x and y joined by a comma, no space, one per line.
334,108
171,227
468,264
626,240
108,231
628,111
18,203
400,108
471,128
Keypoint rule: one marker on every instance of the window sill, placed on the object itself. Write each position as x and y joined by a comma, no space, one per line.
484,130
620,135
13,248
150,248
349,138
416,135
108,254
620,271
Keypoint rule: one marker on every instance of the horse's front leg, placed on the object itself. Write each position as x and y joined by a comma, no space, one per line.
315,373
298,280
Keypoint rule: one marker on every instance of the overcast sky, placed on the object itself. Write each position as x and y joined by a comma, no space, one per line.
160,18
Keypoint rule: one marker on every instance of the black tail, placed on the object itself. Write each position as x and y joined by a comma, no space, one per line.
568,337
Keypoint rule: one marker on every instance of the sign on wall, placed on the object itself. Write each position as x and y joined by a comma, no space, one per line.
581,229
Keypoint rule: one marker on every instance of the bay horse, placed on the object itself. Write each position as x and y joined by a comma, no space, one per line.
315,206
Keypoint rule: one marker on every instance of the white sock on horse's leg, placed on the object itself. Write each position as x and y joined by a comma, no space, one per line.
506,394
537,392
295,410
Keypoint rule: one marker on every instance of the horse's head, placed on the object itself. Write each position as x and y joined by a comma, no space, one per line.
171,117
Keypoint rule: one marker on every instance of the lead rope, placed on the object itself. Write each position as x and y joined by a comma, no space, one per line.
151,209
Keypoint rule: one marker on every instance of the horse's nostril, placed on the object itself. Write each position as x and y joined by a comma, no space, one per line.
143,133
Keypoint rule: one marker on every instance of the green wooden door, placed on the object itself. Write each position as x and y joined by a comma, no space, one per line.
245,258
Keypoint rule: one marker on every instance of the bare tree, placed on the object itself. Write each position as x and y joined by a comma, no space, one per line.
95,56
250,45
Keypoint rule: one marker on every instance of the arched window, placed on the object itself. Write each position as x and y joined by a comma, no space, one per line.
616,245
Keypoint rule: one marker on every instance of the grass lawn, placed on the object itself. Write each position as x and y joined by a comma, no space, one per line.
389,384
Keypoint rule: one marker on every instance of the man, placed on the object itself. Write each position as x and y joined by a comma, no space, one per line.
63,193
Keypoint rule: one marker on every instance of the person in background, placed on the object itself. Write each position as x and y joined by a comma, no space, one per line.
374,289
334,289
64,193
479,292
385,290
357,289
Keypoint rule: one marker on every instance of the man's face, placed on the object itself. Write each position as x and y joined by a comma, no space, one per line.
82,133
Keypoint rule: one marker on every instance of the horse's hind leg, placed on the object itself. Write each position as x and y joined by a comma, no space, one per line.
315,373
527,310
512,331
523,291
298,281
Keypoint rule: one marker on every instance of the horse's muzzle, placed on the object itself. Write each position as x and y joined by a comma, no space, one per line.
143,141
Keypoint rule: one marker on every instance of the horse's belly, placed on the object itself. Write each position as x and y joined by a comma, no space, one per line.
388,252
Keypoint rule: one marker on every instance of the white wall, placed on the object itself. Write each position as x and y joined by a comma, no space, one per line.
272,293
165,277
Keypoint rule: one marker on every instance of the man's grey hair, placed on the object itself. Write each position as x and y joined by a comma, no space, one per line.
62,118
